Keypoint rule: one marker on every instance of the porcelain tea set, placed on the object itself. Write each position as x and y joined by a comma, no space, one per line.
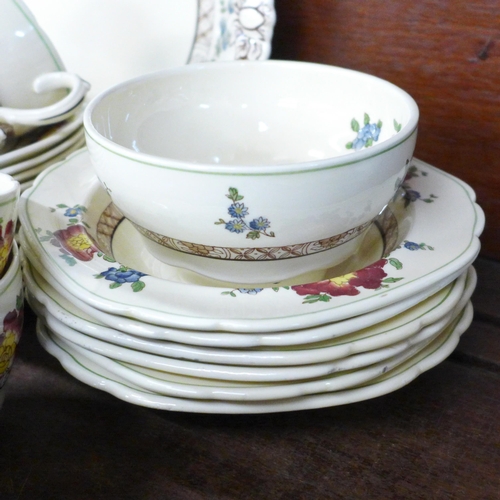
248,236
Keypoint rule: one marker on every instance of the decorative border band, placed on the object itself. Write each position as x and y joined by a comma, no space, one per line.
386,223
254,253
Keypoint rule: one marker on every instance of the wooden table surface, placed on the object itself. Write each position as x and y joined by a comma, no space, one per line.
437,438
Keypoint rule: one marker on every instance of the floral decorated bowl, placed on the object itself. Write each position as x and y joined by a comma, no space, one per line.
11,316
252,172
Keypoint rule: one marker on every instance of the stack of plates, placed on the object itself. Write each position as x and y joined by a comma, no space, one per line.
42,147
163,337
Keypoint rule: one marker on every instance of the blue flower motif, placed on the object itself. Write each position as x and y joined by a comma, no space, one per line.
74,211
260,224
235,226
122,275
410,245
412,195
250,291
238,210
368,134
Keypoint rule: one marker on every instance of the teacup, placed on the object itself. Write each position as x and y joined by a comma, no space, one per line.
252,172
9,196
33,82
11,316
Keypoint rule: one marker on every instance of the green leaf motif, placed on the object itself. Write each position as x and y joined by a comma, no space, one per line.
138,286
366,119
348,145
355,125
115,285
391,280
397,126
396,263
322,297
234,195
68,259
253,235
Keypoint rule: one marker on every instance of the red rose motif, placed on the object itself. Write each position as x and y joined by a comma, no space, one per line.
370,278
76,241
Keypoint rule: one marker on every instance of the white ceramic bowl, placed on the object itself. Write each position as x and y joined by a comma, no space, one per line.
252,172
11,316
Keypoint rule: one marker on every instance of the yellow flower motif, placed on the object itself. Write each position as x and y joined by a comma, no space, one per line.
80,242
7,351
4,255
343,280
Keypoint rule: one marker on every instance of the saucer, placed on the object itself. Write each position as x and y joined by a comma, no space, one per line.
435,251
95,375
335,346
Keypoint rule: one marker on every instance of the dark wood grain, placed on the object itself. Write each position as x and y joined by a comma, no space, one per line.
446,54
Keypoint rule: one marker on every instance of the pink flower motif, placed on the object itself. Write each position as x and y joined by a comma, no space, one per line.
76,241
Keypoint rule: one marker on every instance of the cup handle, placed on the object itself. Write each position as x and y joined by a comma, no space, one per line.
25,119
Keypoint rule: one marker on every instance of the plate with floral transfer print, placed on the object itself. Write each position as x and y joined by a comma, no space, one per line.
298,347
64,216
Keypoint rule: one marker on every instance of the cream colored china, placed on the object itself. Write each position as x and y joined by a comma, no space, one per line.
141,37
80,366
424,315
436,251
34,89
170,369
9,197
50,138
271,168
27,53
23,120
195,387
11,316
244,339
37,165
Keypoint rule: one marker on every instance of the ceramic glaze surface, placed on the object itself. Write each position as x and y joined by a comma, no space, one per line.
435,251
26,53
282,135
142,37
11,314
426,317
88,371
9,196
